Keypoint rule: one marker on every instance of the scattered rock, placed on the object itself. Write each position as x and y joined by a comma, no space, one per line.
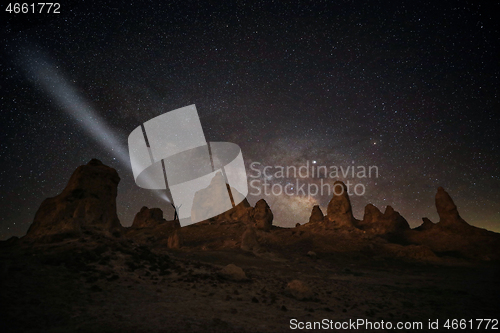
311,254
299,290
233,272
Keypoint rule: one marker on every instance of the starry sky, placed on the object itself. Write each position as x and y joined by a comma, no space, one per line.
409,87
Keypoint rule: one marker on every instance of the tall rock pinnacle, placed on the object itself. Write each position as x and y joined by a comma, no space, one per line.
339,208
447,210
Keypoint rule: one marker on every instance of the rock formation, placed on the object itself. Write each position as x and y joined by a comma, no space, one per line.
263,215
339,208
447,210
452,236
148,218
175,240
316,215
389,222
212,200
426,224
242,212
249,240
87,203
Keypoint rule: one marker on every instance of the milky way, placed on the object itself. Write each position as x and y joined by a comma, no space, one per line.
409,88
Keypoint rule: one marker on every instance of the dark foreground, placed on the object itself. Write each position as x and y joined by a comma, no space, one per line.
106,285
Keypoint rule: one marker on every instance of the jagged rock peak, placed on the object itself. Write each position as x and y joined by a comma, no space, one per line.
447,210
316,215
388,222
426,224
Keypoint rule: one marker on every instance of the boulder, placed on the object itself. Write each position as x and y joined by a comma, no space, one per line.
88,202
299,290
233,273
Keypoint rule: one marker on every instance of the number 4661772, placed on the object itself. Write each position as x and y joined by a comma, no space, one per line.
34,8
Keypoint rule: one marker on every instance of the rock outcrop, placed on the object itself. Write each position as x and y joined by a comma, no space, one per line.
212,200
452,236
148,218
249,240
339,209
263,215
175,240
242,212
87,203
447,210
390,222
316,215
426,224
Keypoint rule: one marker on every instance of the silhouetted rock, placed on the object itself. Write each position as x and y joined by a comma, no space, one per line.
339,208
263,215
447,210
388,223
452,236
249,240
426,225
316,215
87,203
148,218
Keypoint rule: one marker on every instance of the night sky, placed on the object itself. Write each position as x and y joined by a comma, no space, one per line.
410,87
